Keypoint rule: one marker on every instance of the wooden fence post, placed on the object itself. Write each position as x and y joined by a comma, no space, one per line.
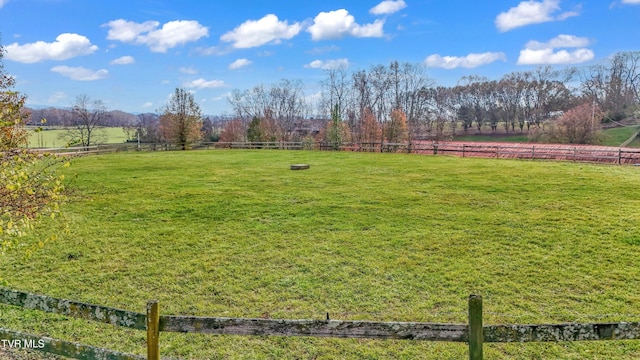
153,330
619,156
476,337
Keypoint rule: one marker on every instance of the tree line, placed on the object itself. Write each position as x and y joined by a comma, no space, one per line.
399,102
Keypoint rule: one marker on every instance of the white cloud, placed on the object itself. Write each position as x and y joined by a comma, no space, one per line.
128,31
204,84
188,70
80,73
631,1
3,2
531,12
551,57
65,47
147,105
123,60
539,53
560,41
388,7
328,64
170,35
339,23
239,63
253,33
470,61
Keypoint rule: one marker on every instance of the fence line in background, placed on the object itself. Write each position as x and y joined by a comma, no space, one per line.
602,154
474,333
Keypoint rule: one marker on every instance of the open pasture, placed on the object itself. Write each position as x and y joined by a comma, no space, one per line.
51,138
362,236
610,137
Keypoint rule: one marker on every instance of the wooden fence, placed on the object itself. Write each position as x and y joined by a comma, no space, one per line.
582,153
474,333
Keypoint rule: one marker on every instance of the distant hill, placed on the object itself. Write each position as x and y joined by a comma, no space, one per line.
64,117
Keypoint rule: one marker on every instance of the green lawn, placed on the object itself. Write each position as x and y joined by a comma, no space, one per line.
635,143
51,138
382,237
611,137
618,135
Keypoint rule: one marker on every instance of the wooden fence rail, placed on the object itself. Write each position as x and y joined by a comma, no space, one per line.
20,340
74,309
562,332
474,333
615,155
316,328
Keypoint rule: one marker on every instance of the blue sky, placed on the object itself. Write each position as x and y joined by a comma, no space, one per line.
132,54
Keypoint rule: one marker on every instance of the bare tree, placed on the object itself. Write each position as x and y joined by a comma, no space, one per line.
284,103
440,108
147,128
407,81
615,85
335,91
361,103
87,118
551,93
287,105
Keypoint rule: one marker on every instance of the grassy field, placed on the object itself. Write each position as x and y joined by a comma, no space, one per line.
53,137
618,135
387,237
635,143
611,137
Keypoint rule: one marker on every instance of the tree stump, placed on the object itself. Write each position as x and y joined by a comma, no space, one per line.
299,166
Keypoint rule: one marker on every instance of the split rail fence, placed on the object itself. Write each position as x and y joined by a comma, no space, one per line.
582,153
474,332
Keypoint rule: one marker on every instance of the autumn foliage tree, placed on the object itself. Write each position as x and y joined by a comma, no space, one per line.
265,129
29,186
233,130
370,131
396,130
579,125
181,120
